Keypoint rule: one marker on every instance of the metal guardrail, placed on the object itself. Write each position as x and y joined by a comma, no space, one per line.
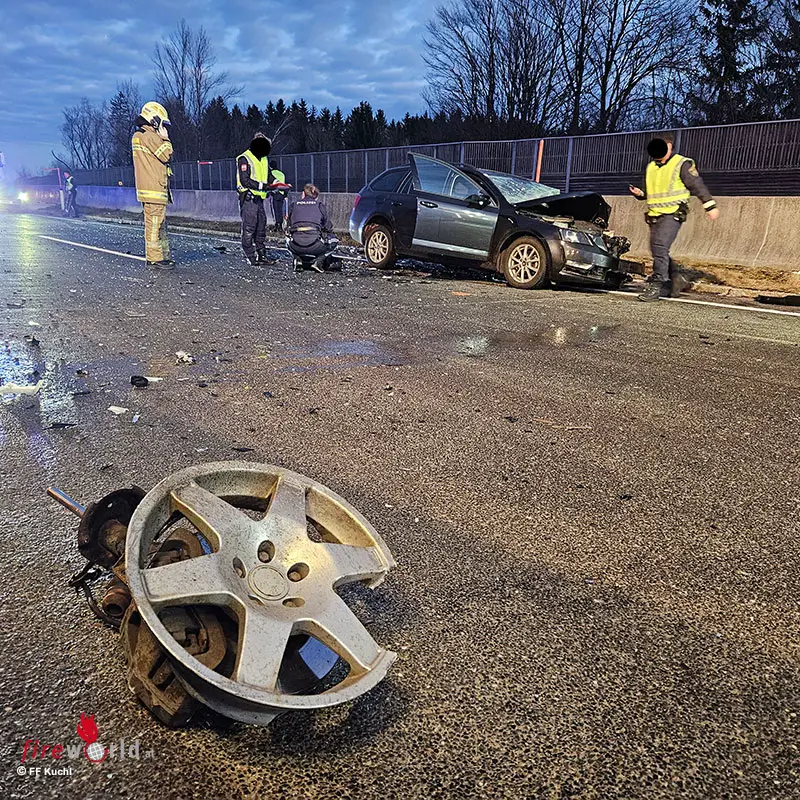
750,158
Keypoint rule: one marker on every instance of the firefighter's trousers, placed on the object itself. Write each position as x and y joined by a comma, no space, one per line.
155,232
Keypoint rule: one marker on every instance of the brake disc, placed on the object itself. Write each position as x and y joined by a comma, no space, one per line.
276,576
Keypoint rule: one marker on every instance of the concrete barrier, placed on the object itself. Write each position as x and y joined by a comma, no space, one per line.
192,204
752,232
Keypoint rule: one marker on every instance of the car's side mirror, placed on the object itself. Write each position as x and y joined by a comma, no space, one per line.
478,200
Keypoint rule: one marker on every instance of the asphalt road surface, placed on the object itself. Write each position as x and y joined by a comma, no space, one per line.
593,503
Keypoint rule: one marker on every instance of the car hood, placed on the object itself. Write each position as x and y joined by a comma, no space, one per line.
585,206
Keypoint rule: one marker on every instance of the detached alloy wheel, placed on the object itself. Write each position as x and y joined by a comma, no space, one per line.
524,263
270,576
379,246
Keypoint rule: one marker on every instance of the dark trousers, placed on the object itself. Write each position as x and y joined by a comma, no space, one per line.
70,205
278,208
254,227
663,231
318,248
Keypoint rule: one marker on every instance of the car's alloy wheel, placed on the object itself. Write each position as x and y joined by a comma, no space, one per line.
379,246
270,575
525,263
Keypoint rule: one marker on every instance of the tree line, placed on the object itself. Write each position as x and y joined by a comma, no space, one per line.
495,69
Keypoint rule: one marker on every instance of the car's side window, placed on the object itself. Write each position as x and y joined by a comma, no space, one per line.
407,184
433,178
463,188
388,182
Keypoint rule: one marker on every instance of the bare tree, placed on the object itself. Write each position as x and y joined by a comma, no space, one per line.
172,58
462,44
632,43
184,72
84,133
532,88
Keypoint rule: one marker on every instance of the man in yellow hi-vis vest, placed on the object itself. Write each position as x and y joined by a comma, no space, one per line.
670,181
152,151
252,183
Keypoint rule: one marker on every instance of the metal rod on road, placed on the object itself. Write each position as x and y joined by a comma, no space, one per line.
62,497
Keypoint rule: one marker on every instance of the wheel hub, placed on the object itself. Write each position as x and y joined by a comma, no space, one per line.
268,583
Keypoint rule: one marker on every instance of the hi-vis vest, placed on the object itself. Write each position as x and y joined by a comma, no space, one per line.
259,169
665,189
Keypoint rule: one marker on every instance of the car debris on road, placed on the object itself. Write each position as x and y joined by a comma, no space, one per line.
195,632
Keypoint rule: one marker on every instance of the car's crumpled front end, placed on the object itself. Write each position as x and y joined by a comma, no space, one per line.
590,250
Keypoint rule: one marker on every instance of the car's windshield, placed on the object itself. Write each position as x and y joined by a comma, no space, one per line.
516,189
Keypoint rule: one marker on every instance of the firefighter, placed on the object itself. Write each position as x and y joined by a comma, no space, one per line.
152,151
279,190
670,181
252,183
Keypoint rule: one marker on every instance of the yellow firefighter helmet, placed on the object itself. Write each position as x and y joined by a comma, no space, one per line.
155,114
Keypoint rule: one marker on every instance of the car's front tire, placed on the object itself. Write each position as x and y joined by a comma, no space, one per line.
379,246
524,263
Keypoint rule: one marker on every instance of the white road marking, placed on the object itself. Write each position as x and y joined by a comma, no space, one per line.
90,247
715,305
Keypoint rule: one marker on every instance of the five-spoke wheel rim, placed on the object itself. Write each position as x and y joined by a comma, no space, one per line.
378,247
269,573
524,263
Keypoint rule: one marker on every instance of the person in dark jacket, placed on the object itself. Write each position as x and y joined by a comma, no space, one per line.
279,190
670,180
310,227
70,195
252,184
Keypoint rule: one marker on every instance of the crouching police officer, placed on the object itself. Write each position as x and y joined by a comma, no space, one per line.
670,181
310,228
252,183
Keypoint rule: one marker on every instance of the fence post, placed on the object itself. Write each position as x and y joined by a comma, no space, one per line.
436,151
199,177
539,160
461,152
312,168
329,173
387,158
513,158
366,167
678,141
296,176
569,162
346,173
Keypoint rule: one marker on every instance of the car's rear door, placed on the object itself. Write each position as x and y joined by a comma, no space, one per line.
404,211
446,223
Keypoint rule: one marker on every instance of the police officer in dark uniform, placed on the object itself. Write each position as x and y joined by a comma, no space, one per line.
252,183
70,195
309,228
670,181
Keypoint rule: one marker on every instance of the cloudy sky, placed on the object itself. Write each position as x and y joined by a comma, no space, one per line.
53,52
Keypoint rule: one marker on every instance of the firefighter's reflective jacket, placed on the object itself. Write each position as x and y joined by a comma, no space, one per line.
151,155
